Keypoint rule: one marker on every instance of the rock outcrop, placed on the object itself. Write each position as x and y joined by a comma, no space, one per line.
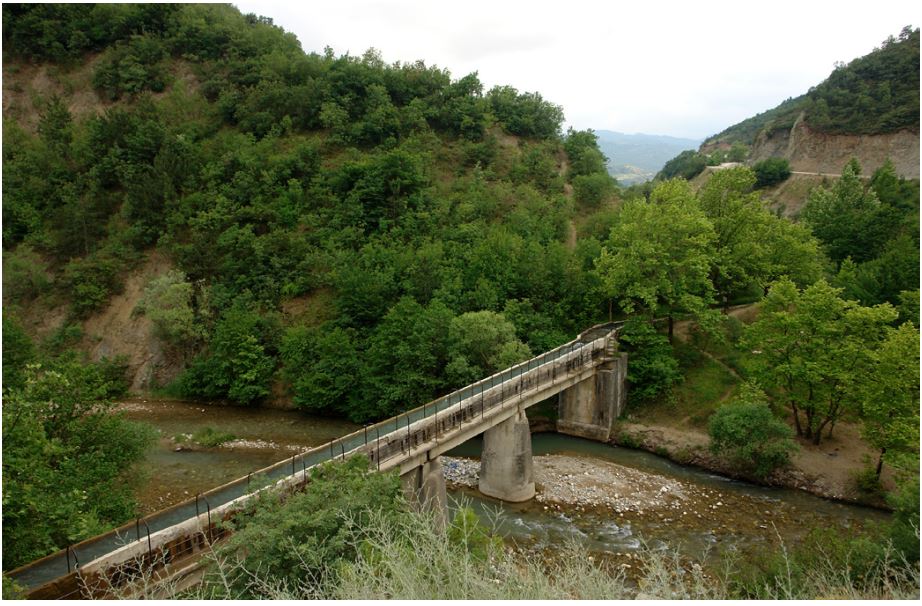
814,152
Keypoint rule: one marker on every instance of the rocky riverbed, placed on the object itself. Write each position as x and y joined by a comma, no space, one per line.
589,486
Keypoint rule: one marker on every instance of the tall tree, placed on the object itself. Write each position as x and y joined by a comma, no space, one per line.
658,257
753,246
846,217
890,397
808,345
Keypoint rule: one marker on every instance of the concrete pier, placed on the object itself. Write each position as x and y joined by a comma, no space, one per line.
505,463
589,408
424,485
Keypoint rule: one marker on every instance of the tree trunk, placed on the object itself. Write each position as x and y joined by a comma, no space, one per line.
671,326
800,431
880,462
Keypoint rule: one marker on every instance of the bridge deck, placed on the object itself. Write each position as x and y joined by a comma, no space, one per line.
178,531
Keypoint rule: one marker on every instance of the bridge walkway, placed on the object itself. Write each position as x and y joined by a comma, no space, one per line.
90,567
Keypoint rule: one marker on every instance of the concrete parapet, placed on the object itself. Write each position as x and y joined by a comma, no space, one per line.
589,408
505,463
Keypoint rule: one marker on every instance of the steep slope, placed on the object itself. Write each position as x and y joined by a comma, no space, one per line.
286,216
867,109
812,151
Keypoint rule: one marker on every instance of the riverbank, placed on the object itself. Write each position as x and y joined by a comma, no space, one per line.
597,496
827,470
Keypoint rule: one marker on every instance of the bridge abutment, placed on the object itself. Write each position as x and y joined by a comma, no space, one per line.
424,486
589,408
505,464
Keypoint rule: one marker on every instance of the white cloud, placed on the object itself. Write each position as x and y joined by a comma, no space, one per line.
678,68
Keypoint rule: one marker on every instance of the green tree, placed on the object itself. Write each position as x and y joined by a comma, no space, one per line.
18,352
747,433
890,395
321,364
753,246
169,302
771,171
582,147
807,346
658,257
238,363
481,343
407,353
847,217
67,460
591,190
652,367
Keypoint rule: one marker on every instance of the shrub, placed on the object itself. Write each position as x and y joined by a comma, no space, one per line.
652,368
168,302
592,190
238,364
18,351
209,437
312,533
771,171
749,435
688,165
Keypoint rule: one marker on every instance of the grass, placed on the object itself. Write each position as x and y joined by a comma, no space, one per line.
707,384
409,558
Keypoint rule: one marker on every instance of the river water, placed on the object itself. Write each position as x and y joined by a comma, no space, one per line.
718,515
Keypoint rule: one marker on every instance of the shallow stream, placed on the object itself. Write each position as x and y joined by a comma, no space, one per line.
715,514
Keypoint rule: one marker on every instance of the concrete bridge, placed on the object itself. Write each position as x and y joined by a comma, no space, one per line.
586,375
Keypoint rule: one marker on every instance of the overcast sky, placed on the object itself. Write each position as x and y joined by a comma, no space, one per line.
686,69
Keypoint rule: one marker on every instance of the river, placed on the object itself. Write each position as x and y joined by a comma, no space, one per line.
716,514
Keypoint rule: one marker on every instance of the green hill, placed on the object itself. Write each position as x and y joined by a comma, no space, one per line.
282,217
874,94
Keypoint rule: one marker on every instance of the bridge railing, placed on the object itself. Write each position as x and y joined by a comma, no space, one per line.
381,441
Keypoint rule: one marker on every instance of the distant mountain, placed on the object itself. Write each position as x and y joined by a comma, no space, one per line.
637,158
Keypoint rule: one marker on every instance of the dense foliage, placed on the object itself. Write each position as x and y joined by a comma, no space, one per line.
807,345
314,530
67,459
771,171
377,191
749,436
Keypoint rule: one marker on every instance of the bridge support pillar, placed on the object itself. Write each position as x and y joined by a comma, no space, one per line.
424,486
589,408
505,463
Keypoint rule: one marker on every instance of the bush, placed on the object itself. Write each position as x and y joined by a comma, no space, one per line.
748,434
18,351
67,459
313,532
209,437
238,364
132,68
771,171
592,190
652,367
687,165
168,302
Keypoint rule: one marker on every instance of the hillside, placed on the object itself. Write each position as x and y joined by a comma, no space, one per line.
637,158
190,193
867,109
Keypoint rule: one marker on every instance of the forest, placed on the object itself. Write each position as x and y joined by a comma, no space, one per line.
434,231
